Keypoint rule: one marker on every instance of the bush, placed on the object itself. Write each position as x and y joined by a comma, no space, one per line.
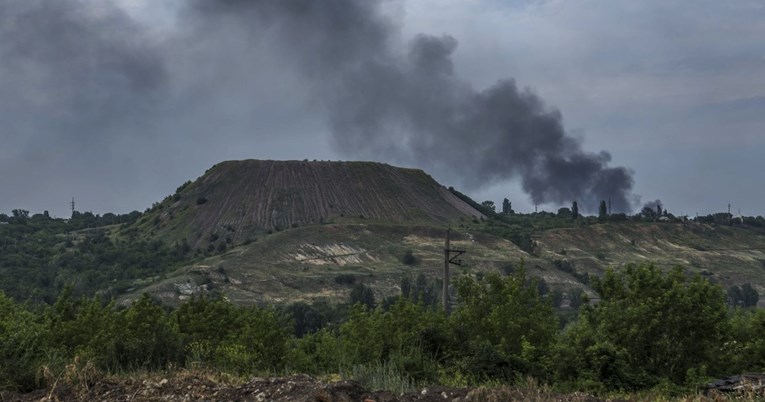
345,279
408,258
361,294
503,326
661,326
22,342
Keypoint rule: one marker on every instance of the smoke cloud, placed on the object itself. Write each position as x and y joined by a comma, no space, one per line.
81,76
403,102
652,205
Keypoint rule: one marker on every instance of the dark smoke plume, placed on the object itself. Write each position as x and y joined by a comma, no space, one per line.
405,103
653,205
83,85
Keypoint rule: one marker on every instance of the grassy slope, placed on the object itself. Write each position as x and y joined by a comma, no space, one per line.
302,263
727,255
289,228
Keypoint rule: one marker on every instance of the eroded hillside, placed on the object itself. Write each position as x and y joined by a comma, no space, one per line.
234,202
724,254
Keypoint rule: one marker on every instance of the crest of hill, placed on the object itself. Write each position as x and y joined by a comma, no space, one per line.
237,200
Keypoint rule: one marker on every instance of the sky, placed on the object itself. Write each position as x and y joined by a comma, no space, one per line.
116,103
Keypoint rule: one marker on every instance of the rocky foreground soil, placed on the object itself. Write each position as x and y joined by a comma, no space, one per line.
188,386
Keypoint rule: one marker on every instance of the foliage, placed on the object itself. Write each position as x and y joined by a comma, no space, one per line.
39,256
650,328
745,350
647,327
602,210
21,346
421,291
362,294
489,205
503,325
743,296
507,207
306,318
408,258
382,376
345,279
217,333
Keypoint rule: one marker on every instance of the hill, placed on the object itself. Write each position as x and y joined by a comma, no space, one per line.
237,201
728,255
278,231
270,231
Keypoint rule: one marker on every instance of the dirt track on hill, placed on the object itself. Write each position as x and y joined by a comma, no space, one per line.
185,386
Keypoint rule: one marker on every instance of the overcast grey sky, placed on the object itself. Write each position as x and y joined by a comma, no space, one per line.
116,103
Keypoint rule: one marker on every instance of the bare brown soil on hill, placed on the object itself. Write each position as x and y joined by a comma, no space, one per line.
235,200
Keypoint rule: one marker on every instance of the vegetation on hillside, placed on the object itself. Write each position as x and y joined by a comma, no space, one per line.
651,330
40,255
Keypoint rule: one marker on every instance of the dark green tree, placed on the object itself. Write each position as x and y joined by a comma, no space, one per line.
147,337
361,294
743,296
735,297
489,205
503,327
648,213
305,318
749,295
574,210
602,210
408,258
507,207
649,326
22,342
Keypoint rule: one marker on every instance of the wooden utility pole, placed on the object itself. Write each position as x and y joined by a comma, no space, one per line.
445,290
448,259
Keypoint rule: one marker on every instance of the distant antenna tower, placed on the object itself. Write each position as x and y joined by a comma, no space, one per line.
72,205
730,217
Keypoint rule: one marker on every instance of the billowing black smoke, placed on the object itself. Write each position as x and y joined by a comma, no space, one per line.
78,78
656,206
405,104
74,68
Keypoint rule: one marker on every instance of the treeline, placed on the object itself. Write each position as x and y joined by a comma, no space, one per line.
40,255
520,228
650,329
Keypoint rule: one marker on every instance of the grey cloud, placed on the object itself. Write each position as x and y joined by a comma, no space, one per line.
85,78
408,106
68,65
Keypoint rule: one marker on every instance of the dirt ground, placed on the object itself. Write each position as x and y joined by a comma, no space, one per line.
189,386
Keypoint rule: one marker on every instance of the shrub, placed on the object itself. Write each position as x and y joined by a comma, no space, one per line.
21,346
345,279
503,326
408,258
660,326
